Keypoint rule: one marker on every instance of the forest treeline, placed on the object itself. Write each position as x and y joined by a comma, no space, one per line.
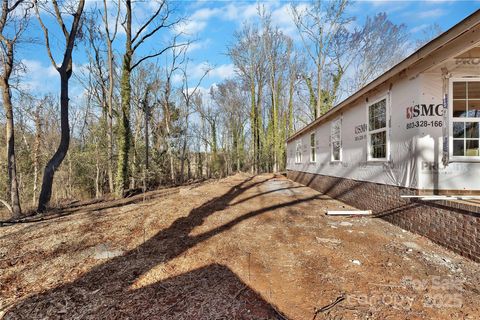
144,119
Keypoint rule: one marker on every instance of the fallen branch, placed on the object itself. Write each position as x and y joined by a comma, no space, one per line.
240,292
5,203
328,306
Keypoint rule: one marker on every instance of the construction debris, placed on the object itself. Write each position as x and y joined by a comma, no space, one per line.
349,212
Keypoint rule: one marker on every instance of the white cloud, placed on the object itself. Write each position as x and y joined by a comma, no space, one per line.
199,44
236,12
190,27
177,79
39,77
197,21
434,13
216,73
223,71
42,78
240,12
282,17
197,71
419,28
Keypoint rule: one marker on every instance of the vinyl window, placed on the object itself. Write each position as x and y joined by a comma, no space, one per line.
465,119
336,140
312,148
298,153
378,130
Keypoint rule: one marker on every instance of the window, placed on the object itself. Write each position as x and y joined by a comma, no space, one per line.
312,147
377,130
298,153
336,140
465,118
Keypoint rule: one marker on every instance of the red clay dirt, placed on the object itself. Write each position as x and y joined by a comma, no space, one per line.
244,247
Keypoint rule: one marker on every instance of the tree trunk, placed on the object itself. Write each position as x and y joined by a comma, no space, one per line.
318,110
98,192
184,149
65,71
124,123
36,153
110,117
11,159
253,123
147,140
111,186
57,159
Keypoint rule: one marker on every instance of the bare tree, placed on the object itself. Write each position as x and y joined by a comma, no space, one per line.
17,23
373,49
248,57
159,20
230,99
209,113
427,34
318,25
177,59
188,93
65,71
277,50
110,38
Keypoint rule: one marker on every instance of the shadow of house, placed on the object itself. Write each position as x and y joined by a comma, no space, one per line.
105,290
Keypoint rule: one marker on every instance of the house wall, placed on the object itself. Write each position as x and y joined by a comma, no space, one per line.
399,171
415,151
415,166
432,173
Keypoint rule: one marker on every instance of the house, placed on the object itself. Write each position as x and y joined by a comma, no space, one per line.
411,133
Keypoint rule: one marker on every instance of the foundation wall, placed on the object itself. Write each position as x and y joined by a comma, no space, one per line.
453,225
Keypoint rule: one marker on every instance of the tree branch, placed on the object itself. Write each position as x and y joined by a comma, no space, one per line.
58,15
45,33
156,54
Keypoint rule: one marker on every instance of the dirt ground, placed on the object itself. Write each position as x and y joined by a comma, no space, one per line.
239,248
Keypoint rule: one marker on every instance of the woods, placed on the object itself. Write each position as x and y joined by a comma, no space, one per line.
145,114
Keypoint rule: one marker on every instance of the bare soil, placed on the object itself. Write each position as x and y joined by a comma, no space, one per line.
244,247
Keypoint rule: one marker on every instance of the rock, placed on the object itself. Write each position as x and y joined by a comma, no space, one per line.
412,246
328,240
356,262
103,251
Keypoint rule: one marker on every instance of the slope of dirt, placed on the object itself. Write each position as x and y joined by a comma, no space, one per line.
240,248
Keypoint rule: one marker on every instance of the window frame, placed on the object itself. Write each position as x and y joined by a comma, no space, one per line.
386,129
451,120
340,140
313,149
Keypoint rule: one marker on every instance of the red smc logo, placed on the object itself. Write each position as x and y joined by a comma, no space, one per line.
409,112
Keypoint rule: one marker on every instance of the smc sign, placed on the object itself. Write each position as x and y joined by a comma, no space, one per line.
423,110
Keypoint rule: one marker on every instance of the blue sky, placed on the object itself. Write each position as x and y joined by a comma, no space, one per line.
213,23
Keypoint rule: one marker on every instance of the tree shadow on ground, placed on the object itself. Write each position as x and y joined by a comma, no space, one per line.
105,291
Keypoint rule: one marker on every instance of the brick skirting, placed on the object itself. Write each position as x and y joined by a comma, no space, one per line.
453,225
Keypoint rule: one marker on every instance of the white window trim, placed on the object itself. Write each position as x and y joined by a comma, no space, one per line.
314,147
298,152
453,158
331,142
386,129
